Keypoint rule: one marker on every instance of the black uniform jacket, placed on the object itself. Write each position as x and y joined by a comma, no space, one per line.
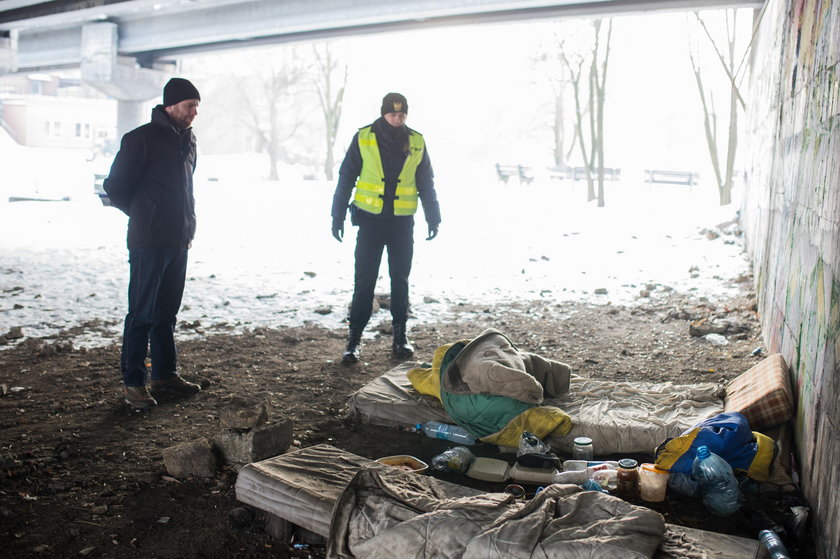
151,180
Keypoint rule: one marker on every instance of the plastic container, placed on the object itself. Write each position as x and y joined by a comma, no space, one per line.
575,465
718,486
627,479
454,433
526,474
582,449
455,460
653,483
489,469
773,544
405,462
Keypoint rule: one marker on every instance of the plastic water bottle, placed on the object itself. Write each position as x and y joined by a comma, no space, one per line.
718,486
454,433
773,543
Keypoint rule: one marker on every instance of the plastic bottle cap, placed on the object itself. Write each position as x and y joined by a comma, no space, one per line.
703,451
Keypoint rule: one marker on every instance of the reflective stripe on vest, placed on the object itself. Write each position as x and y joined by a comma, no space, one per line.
370,188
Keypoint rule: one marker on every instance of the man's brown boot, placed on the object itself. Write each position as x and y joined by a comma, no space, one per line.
138,397
175,385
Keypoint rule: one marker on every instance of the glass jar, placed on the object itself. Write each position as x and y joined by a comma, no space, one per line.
627,479
582,449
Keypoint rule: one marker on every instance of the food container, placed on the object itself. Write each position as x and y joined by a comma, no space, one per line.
489,469
405,462
653,483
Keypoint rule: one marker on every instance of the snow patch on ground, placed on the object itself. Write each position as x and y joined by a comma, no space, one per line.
264,257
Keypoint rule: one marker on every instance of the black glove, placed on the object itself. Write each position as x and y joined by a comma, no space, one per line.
433,231
338,230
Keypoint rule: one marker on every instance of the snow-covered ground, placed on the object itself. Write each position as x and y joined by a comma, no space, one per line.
264,256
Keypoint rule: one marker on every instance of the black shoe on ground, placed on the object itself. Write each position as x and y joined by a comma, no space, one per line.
401,347
175,385
354,347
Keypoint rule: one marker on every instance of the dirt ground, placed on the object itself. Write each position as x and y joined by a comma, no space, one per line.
81,474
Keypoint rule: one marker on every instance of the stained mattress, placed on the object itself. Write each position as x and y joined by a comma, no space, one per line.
620,417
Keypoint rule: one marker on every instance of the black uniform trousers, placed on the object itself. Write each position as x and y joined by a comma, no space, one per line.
375,233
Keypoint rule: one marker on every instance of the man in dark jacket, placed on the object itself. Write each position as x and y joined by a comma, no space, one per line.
151,181
388,165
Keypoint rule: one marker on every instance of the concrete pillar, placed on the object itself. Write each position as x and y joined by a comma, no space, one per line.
130,115
8,50
118,77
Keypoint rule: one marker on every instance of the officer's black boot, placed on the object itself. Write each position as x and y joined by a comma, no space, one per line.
354,346
401,347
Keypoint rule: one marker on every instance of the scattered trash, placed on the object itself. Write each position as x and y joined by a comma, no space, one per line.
773,543
718,485
454,433
716,339
455,460
757,351
531,444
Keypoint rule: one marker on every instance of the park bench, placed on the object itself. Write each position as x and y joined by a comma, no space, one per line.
523,173
671,177
579,173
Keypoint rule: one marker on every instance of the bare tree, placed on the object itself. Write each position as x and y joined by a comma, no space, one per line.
549,62
266,104
330,78
590,84
726,55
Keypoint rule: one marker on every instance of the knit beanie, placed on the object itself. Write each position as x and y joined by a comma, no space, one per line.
177,90
394,103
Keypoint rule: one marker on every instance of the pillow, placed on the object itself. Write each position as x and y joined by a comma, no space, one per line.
763,393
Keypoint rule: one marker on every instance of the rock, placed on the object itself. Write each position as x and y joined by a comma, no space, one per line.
239,413
323,310
601,291
241,517
310,274
196,458
14,333
253,445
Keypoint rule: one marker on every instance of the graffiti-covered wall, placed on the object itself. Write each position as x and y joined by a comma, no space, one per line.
791,215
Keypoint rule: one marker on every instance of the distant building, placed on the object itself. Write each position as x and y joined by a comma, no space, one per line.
41,110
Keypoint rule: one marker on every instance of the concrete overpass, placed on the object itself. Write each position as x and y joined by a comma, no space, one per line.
127,48
49,35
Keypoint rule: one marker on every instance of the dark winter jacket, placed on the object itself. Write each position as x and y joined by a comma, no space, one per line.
151,180
393,143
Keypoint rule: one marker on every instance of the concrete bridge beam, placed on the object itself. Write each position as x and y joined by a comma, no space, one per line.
121,78
8,52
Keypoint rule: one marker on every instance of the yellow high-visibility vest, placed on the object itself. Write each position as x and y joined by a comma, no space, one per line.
371,184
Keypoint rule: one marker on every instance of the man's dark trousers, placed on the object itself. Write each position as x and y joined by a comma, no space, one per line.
376,233
155,287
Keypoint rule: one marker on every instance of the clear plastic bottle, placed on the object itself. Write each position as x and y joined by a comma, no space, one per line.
718,486
454,433
773,543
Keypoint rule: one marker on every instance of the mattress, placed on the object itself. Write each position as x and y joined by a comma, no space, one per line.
302,487
620,417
